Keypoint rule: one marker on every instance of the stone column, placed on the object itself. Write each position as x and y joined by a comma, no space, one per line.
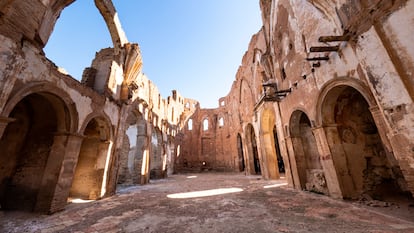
249,170
59,172
283,145
104,164
271,157
404,151
327,163
293,164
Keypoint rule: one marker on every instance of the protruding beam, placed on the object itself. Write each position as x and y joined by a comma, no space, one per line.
326,58
316,49
334,38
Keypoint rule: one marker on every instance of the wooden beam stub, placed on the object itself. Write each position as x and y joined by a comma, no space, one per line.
334,38
316,49
326,58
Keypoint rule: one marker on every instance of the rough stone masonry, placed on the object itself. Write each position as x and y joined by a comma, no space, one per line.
323,96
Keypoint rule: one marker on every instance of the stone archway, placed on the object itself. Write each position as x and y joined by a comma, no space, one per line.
89,180
269,163
32,151
252,152
240,153
311,174
362,164
132,153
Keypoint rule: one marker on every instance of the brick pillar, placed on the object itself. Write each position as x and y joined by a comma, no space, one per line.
58,173
403,150
399,150
293,164
327,163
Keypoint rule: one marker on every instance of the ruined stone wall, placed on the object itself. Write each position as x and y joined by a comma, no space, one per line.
76,131
216,146
324,92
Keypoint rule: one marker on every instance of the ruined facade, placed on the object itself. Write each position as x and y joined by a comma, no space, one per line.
324,94
61,138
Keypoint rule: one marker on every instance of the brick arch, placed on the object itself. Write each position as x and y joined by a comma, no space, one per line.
91,177
246,97
104,121
44,122
327,97
105,7
362,163
306,154
294,119
67,114
133,143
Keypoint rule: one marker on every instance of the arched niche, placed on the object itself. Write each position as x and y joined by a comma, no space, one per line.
91,174
131,157
32,148
363,165
311,174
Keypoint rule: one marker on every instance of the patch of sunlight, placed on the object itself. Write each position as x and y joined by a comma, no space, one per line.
204,193
191,177
79,201
275,185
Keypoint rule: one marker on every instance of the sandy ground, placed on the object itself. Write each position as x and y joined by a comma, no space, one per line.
214,203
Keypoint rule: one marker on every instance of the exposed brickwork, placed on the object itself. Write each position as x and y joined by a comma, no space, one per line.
359,96
338,122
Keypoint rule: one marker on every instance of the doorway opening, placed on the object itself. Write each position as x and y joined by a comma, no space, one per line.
242,165
311,174
88,181
363,165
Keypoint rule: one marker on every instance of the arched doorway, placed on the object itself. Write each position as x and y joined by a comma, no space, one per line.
89,179
253,154
133,149
242,165
362,164
28,155
307,157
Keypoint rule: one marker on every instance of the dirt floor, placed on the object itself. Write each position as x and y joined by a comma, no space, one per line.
215,203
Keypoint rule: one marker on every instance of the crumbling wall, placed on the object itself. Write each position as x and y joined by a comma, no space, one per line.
307,57
77,158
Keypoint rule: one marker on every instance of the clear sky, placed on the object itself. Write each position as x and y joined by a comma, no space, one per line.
192,46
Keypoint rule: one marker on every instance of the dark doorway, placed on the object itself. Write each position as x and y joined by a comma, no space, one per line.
252,153
88,181
24,151
364,166
242,165
280,163
257,169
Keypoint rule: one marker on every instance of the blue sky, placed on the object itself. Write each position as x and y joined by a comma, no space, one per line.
192,46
